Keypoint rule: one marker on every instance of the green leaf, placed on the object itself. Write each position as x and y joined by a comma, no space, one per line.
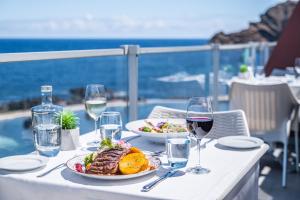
68,119
243,68
106,143
147,129
88,159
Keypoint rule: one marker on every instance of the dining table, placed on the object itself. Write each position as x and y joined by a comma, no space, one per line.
233,175
292,81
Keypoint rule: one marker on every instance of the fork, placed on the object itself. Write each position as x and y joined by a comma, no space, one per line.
149,186
50,170
54,168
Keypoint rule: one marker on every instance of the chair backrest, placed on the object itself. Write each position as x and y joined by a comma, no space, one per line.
226,123
267,106
165,112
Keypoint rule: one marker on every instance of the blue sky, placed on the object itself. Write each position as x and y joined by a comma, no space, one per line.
127,18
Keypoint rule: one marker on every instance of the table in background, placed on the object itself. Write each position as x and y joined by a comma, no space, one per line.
293,83
234,175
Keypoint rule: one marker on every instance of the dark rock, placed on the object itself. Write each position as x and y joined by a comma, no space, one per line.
268,29
27,123
26,104
77,95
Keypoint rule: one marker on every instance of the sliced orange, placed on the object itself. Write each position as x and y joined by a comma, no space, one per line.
145,165
132,163
135,150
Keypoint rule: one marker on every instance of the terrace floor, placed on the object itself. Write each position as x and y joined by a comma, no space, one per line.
270,181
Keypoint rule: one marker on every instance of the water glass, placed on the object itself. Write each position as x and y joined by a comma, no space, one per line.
47,132
178,150
111,125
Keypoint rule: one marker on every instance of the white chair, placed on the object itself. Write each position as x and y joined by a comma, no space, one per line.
270,109
226,123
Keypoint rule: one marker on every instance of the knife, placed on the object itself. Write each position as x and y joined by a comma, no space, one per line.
131,138
151,185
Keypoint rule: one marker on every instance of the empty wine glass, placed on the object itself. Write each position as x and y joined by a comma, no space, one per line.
95,104
199,119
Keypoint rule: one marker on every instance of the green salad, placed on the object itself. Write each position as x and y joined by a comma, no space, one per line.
163,127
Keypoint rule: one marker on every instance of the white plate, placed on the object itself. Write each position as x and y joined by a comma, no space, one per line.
154,137
23,162
240,142
79,159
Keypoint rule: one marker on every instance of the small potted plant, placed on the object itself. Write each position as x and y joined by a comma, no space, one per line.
70,130
244,73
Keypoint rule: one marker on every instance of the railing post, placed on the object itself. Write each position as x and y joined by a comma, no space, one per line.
132,52
266,53
216,67
261,48
253,55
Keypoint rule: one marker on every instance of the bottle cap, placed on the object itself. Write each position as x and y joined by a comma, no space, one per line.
46,88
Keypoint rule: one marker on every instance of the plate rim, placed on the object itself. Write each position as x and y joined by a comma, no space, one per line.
44,160
112,177
257,140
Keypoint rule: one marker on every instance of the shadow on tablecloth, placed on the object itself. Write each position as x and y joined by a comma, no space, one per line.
71,176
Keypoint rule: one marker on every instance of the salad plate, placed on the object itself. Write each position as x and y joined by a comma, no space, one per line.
157,130
23,162
240,142
71,164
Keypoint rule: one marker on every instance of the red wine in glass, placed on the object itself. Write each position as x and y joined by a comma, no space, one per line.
199,120
199,126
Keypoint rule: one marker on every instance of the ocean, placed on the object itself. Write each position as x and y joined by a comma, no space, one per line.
158,73
161,76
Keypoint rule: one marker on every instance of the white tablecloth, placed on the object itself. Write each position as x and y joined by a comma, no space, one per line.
293,83
233,175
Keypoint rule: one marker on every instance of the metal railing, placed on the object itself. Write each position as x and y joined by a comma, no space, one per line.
133,51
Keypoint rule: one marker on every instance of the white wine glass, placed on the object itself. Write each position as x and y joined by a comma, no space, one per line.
199,119
95,104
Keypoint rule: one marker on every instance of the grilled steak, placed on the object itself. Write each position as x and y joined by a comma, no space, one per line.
107,162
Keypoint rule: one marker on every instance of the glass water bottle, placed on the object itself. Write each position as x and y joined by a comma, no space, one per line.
46,124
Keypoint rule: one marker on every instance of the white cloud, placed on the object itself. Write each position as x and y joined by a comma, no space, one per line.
117,26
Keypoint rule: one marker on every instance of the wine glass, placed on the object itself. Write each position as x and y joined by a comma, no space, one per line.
95,104
199,119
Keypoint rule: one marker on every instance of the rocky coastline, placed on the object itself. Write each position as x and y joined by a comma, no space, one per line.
268,29
76,96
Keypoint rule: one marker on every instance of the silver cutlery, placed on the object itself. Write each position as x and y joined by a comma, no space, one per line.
50,170
151,185
157,153
131,138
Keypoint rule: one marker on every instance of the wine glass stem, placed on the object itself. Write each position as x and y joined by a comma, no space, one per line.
198,149
96,127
